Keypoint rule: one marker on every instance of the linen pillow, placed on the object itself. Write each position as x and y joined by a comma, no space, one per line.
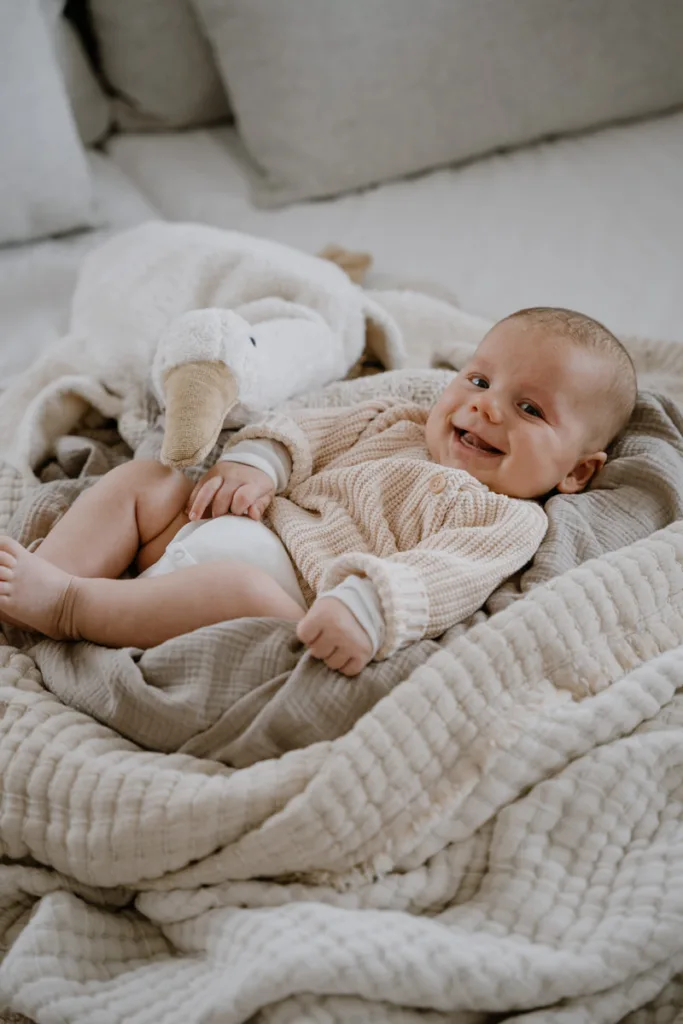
156,60
45,183
331,95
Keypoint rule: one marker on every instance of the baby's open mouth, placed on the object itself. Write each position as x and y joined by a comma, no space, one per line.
474,442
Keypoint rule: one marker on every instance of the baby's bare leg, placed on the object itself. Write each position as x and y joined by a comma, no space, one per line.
137,505
134,613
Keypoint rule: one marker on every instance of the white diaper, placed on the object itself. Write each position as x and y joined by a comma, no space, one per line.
233,538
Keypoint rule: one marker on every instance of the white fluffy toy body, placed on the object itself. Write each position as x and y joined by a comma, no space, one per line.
225,325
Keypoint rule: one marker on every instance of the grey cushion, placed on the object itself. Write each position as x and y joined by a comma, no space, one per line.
45,183
330,95
91,107
158,64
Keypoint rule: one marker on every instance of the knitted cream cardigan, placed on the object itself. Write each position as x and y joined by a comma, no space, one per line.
364,498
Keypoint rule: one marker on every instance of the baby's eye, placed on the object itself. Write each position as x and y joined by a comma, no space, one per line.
530,409
479,382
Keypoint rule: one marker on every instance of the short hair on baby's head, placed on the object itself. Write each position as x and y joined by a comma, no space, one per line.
583,330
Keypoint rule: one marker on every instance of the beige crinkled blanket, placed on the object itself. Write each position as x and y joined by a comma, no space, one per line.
502,833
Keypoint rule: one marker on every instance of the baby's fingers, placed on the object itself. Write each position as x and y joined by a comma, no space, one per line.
353,666
257,509
195,491
309,627
338,659
193,495
205,493
222,503
244,497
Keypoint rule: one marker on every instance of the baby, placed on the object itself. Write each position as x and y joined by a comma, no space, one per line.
386,522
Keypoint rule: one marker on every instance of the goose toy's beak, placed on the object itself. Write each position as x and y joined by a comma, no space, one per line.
199,396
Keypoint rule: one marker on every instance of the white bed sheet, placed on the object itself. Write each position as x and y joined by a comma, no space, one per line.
594,222
37,280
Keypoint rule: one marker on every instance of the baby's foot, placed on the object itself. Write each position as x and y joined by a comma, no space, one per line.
33,593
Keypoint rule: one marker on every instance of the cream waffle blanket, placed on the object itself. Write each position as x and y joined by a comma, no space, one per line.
486,826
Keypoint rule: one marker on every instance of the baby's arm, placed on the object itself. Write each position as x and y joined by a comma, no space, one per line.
287,449
450,574
345,626
312,437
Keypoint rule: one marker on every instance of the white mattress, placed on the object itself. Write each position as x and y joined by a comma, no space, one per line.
594,222
37,280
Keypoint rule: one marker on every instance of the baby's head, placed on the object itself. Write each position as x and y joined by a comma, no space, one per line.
537,405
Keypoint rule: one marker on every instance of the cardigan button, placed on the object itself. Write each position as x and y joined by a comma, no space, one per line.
437,484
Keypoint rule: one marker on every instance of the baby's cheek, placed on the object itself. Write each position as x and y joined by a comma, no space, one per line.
532,462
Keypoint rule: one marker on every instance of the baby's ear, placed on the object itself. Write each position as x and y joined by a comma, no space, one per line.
582,473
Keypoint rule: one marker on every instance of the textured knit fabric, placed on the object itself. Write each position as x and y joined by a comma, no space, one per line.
365,498
359,595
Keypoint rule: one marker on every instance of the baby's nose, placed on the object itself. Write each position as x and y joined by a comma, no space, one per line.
486,404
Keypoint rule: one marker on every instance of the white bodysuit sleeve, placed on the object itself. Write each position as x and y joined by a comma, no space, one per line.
269,456
361,598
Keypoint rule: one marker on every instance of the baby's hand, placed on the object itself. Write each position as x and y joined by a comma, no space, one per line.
333,634
231,487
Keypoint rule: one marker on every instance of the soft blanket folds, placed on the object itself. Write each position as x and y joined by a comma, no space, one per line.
222,830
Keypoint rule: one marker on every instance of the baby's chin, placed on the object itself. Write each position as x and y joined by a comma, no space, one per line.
476,467
499,484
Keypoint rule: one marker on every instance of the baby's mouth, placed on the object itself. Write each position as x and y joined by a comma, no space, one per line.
475,443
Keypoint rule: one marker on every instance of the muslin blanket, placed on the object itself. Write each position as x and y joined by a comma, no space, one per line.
220,829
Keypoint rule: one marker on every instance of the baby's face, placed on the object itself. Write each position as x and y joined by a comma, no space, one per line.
518,416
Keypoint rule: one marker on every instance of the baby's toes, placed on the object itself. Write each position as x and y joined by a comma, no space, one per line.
7,560
8,565
9,548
